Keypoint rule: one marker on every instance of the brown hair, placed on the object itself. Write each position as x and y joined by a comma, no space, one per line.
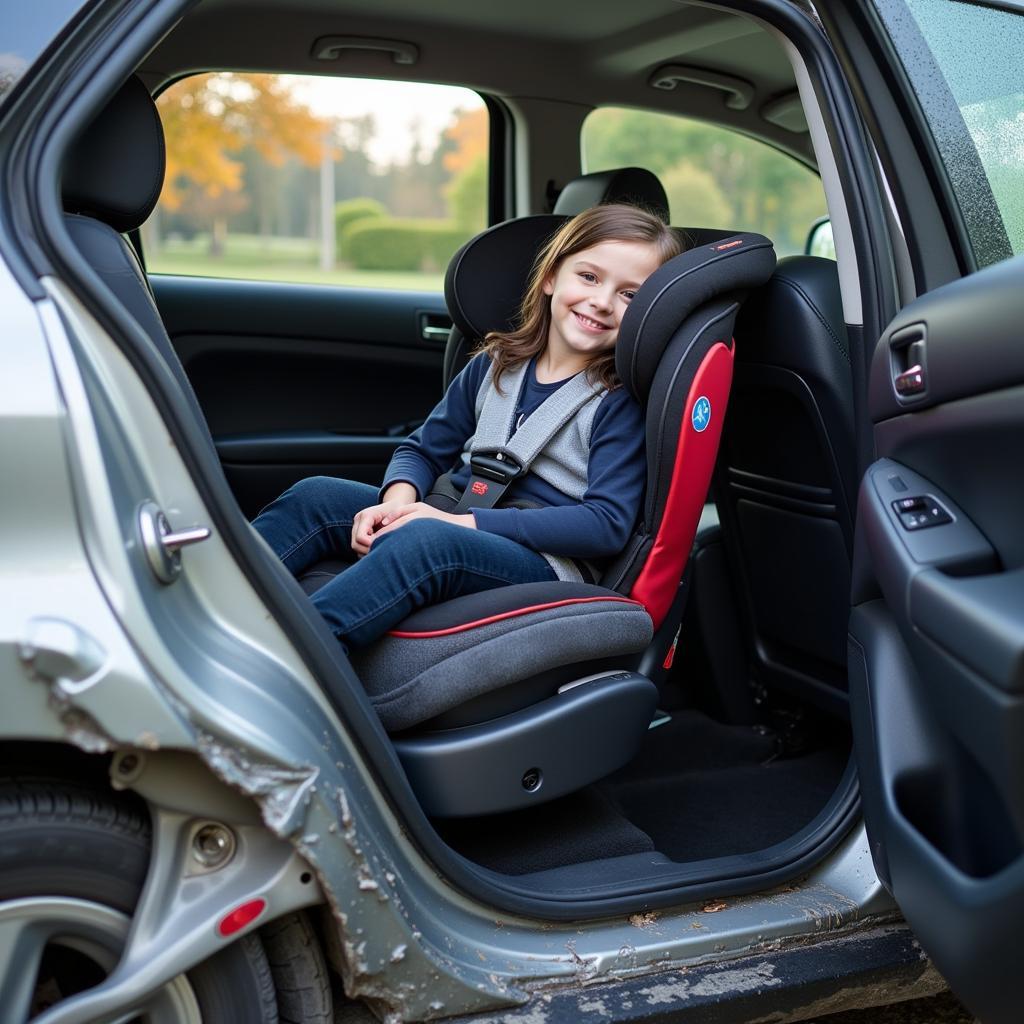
611,222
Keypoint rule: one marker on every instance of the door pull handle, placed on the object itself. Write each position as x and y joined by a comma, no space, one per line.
910,381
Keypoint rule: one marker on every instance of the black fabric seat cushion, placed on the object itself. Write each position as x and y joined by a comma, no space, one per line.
450,653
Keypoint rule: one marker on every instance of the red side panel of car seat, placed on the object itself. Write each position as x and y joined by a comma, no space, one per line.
656,585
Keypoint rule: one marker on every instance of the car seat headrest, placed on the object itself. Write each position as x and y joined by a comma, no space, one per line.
115,170
725,268
633,185
488,276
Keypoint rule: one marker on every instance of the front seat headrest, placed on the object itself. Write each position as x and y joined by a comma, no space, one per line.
633,185
115,170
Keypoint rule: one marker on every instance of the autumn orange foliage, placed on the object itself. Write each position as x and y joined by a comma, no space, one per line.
209,119
469,133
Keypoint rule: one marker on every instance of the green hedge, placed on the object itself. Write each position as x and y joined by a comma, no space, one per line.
392,244
348,211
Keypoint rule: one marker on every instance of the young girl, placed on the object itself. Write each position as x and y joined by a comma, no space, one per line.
582,491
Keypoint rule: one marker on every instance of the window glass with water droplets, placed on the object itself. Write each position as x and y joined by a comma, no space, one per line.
965,63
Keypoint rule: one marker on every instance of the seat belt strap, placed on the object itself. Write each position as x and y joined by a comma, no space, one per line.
495,461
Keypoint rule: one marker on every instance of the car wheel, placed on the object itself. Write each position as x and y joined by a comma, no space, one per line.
72,866
300,971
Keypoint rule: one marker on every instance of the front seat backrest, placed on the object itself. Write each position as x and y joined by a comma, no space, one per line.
111,182
787,479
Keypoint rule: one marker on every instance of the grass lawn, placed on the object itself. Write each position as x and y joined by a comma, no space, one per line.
294,260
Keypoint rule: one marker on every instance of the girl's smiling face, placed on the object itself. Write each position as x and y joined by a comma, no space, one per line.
589,292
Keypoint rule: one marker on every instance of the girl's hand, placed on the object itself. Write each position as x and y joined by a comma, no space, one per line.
370,520
421,510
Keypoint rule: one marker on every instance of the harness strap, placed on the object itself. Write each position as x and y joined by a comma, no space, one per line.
496,461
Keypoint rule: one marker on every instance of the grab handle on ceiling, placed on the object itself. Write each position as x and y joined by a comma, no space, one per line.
739,92
331,47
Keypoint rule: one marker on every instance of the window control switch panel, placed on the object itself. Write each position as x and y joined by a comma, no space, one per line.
918,513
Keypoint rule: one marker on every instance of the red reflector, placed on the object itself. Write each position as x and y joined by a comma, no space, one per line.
241,916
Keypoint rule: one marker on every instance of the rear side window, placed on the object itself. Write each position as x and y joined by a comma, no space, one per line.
318,180
965,62
715,178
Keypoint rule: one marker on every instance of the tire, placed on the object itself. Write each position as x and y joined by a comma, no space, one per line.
299,969
73,842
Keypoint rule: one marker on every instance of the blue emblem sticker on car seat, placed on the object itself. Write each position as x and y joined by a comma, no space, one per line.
701,415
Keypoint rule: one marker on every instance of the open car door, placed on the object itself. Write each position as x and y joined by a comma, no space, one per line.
936,657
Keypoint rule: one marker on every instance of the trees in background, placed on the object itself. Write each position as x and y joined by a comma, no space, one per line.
713,177
227,134
243,151
451,180
466,161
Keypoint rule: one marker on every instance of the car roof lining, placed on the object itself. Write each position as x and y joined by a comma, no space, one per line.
575,52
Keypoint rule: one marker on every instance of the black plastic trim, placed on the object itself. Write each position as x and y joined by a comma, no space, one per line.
500,160
586,731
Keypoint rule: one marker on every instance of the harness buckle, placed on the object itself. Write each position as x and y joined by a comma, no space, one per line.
497,466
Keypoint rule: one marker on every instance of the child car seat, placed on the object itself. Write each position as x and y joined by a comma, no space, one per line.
521,694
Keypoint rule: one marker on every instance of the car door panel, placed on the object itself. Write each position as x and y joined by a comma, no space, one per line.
297,380
937,660
962,343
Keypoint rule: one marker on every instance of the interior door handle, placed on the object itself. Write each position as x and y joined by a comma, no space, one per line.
910,381
434,327
907,355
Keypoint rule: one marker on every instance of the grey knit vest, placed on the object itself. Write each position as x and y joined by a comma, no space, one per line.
553,443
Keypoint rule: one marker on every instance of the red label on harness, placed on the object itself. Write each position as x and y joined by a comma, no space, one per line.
479,487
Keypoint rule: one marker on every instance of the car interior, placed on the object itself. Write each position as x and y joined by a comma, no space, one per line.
682,723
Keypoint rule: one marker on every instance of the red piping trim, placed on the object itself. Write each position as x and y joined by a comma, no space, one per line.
462,627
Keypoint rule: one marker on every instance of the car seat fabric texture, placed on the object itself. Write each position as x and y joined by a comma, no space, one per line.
444,656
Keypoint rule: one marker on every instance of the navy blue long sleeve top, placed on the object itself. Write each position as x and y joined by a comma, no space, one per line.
595,528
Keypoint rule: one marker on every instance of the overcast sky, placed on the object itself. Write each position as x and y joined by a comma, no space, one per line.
399,108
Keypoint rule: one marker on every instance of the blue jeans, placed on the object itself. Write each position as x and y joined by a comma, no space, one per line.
423,562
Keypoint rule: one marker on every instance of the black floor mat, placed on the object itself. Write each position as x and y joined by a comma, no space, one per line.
697,789
701,789
582,827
